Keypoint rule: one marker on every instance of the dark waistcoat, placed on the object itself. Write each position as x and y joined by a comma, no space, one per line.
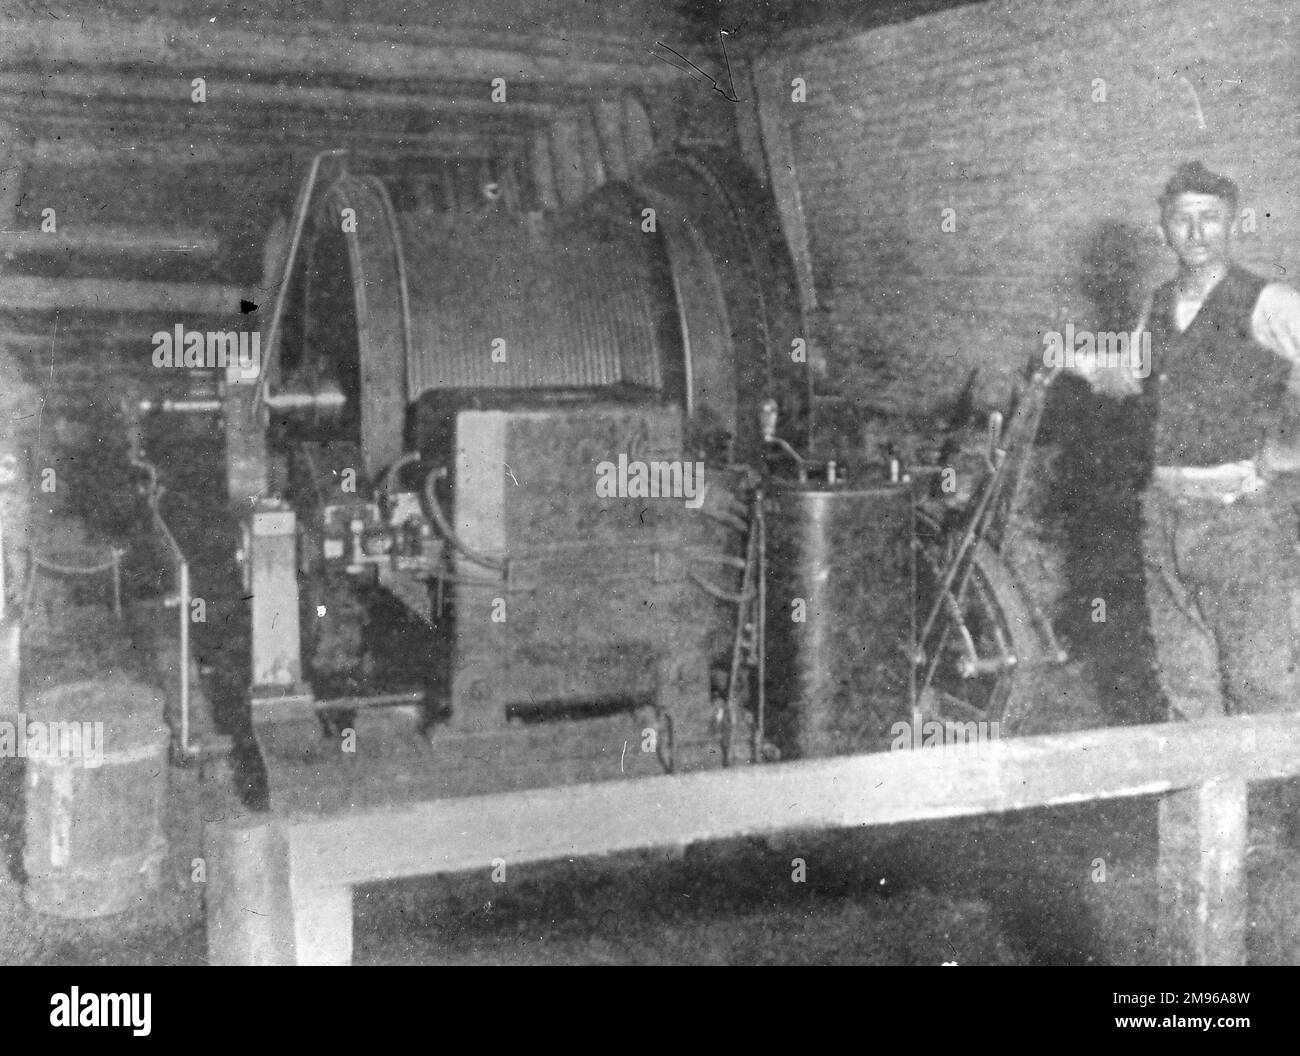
1218,395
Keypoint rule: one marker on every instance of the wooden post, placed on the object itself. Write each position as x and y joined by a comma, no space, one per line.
322,924
261,910
249,906
1202,874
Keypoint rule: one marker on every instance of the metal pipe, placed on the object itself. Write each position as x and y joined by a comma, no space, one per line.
380,700
760,524
185,655
323,399
154,492
183,604
184,406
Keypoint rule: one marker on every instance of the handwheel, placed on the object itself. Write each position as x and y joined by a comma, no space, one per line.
974,659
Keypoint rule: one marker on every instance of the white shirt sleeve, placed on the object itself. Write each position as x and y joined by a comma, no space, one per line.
1275,324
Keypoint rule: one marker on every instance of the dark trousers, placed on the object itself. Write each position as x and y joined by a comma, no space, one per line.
1220,589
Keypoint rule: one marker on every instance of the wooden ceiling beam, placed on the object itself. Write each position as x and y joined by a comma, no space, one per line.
108,91
96,147
73,146
124,119
25,293
128,351
106,239
94,150
380,53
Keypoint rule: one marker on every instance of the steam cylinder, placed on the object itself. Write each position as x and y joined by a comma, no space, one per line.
839,616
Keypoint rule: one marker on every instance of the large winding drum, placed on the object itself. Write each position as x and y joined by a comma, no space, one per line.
673,284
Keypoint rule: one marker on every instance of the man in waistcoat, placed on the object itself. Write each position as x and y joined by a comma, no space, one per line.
1220,521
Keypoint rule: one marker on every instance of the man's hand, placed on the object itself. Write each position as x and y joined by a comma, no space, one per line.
1119,379
1115,382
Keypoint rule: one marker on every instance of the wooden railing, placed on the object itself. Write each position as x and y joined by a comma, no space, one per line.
280,886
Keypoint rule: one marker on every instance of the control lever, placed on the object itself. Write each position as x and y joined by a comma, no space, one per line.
767,418
995,453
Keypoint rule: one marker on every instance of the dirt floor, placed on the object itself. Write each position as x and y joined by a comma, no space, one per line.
1011,890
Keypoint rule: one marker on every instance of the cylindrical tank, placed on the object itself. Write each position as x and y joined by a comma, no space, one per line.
839,615
96,783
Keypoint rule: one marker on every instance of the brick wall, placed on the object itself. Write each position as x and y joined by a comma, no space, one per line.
1048,129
